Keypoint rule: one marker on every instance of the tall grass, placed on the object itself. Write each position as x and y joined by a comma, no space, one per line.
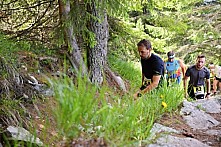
128,70
76,105
85,109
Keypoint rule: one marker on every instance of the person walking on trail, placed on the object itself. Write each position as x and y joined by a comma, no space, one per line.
198,74
152,68
174,68
212,74
212,69
217,78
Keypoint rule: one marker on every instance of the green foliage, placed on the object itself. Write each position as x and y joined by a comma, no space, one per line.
190,58
84,109
128,70
203,30
7,104
120,8
124,36
115,8
90,38
172,95
98,112
123,39
7,47
174,25
174,5
76,104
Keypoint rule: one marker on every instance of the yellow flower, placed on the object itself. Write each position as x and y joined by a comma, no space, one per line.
164,104
161,96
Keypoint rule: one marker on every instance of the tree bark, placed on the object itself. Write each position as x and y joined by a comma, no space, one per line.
70,39
97,53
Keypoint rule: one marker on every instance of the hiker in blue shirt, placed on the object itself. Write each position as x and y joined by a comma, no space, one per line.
174,68
152,68
198,74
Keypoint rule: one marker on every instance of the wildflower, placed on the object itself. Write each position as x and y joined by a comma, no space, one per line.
161,96
164,104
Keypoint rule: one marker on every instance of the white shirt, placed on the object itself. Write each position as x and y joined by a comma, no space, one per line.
217,71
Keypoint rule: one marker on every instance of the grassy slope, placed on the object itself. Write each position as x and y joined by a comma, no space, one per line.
84,111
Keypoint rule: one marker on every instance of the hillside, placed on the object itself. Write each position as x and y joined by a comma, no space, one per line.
46,99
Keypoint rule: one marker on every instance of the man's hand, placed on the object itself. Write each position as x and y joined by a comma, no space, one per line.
185,95
137,94
208,95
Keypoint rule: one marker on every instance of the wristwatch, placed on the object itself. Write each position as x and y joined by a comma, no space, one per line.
139,95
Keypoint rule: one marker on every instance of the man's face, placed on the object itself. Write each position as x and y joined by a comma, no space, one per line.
200,62
211,67
170,59
144,52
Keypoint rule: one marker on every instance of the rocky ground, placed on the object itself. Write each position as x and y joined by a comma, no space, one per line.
197,124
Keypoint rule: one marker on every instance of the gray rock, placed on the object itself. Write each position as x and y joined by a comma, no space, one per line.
158,128
209,105
121,83
213,132
209,1
196,118
19,133
172,141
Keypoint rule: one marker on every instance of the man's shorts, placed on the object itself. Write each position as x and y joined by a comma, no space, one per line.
191,93
219,79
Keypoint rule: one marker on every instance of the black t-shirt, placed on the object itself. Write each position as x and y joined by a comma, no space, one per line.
197,77
152,66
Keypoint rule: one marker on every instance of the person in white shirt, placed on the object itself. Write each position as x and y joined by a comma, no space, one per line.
217,78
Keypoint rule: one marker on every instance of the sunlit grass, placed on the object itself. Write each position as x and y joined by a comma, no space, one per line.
84,110
99,112
130,71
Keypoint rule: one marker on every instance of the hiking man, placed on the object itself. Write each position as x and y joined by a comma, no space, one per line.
211,68
212,74
217,78
198,74
152,68
173,68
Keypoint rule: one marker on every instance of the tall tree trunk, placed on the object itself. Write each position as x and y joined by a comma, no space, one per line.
97,54
70,39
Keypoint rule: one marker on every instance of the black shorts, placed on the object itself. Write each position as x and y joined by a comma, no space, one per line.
218,79
192,95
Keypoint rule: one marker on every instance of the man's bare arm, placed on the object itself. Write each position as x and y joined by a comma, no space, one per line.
185,85
153,84
183,67
208,86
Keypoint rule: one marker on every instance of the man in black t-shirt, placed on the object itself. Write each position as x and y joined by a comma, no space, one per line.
198,74
152,68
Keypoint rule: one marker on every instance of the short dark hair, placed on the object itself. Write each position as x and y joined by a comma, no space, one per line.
201,56
170,54
145,43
